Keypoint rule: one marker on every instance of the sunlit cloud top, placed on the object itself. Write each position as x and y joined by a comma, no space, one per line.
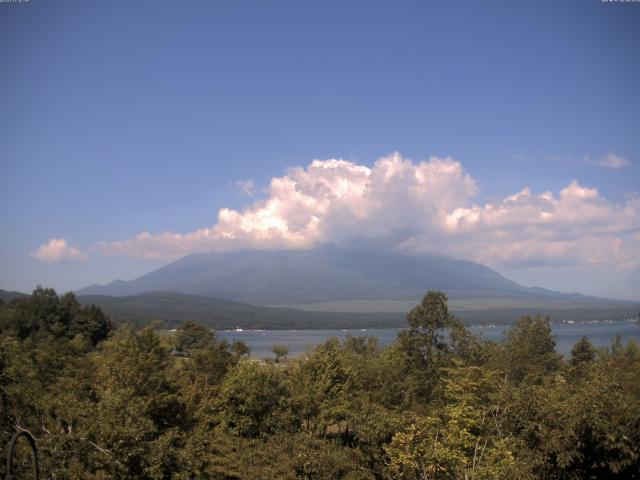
426,207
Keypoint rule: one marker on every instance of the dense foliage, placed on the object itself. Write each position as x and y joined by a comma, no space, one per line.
439,403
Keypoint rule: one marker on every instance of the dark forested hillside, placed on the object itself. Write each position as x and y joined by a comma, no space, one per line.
439,403
6,296
172,309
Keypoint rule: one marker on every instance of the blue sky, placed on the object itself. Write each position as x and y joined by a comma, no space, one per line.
124,117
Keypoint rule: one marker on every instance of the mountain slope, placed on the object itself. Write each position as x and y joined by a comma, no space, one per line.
172,309
325,274
7,296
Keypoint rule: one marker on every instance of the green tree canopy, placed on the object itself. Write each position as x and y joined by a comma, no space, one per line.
530,349
582,352
45,314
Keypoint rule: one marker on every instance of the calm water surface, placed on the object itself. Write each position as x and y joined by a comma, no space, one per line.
300,341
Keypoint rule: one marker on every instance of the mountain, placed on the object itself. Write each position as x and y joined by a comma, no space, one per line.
327,274
7,296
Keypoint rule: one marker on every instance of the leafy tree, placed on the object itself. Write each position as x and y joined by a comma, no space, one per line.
300,456
424,345
92,323
437,403
577,430
322,387
201,375
193,336
252,399
466,346
139,413
44,314
529,350
280,351
210,452
461,439
582,352
240,348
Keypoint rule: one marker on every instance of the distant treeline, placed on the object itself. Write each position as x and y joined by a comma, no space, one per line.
172,309
439,403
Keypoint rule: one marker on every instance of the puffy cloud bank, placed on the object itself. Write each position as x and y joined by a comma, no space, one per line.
425,207
57,250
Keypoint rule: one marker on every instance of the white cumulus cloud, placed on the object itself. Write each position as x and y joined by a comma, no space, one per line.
609,160
425,207
57,250
576,227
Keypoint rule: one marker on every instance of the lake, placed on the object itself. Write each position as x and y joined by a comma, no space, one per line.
300,341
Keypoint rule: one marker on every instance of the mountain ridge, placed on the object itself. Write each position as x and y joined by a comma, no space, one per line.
325,274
